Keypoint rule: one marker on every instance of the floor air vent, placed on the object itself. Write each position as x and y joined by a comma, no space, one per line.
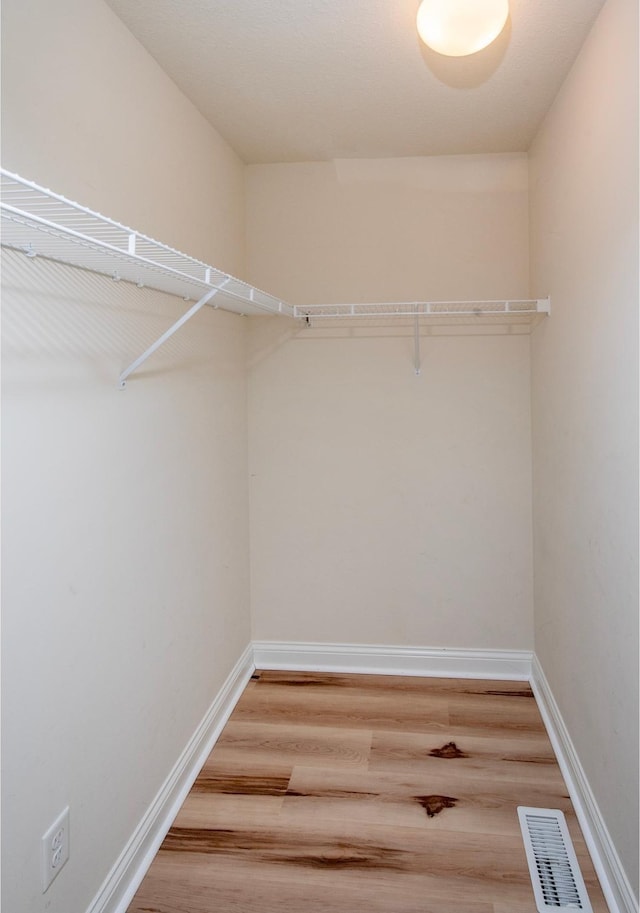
555,873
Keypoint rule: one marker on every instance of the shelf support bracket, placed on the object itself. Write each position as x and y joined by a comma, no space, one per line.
416,343
167,335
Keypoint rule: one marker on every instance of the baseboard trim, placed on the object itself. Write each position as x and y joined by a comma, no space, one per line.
381,660
615,885
126,875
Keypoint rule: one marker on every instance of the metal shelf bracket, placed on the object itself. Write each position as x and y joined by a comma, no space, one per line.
416,344
169,333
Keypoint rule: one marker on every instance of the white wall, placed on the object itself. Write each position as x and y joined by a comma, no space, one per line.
390,229
125,513
584,194
87,112
389,508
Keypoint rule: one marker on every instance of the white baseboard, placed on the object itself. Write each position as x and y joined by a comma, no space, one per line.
615,885
124,878
380,660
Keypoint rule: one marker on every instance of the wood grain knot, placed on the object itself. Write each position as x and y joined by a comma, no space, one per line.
450,750
433,805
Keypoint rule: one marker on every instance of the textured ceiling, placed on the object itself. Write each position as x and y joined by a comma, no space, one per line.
305,80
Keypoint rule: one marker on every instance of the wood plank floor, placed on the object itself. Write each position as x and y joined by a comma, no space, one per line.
350,793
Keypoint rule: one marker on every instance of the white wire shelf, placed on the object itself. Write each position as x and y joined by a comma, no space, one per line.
44,224
528,312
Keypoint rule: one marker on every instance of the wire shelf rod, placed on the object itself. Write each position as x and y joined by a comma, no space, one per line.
42,223
160,267
29,207
516,307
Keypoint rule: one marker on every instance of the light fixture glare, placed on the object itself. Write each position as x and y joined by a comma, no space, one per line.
457,28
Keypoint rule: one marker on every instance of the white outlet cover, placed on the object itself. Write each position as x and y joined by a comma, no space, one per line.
55,848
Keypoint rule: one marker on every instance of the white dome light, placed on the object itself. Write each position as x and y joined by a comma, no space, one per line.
460,27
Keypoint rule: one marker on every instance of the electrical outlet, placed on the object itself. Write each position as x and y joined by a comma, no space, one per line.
55,848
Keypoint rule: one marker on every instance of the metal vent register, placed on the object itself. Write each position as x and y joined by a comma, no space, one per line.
555,873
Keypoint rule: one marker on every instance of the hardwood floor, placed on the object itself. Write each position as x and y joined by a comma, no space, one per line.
350,793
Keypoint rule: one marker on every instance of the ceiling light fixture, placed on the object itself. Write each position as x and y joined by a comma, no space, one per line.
457,28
